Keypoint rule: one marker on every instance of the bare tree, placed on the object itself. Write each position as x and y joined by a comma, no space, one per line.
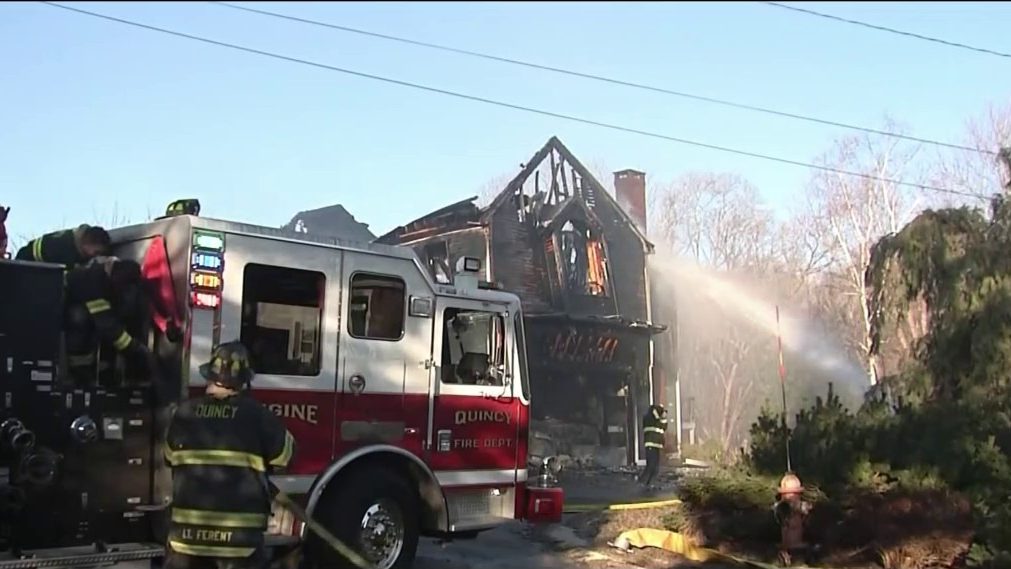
718,220
801,254
717,229
492,188
108,219
976,172
853,213
728,359
602,171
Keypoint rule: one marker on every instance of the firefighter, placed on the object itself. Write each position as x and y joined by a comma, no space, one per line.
70,247
99,298
221,447
654,428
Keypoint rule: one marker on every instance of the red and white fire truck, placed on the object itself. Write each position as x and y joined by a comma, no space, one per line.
409,400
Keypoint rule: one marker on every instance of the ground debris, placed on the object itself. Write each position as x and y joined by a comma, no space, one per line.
732,515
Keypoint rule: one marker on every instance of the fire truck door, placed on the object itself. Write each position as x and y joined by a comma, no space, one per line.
384,350
475,418
282,300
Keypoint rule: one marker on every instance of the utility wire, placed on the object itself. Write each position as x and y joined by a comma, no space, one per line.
601,78
889,30
506,105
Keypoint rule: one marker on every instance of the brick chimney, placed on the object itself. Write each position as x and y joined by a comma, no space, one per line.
630,187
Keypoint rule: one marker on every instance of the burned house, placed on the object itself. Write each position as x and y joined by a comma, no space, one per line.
555,237
332,221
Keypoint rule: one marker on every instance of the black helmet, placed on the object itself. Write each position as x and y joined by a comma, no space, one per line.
229,366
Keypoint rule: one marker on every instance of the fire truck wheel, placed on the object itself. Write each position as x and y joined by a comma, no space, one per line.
377,514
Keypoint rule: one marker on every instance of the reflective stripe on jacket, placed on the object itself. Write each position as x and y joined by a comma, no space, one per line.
221,451
90,286
654,426
56,247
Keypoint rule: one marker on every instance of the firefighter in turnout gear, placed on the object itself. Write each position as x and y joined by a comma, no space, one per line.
221,447
98,297
654,428
70,247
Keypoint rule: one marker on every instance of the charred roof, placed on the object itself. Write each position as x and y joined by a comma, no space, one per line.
566,181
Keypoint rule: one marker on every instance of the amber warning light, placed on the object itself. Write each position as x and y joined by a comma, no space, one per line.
206,280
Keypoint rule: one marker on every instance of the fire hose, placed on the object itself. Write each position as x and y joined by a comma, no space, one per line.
324,534
319,529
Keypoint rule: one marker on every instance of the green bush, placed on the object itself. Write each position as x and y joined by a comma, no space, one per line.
729,490
730,504
945,420
826,443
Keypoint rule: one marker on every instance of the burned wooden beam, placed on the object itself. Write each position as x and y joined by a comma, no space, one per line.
553,195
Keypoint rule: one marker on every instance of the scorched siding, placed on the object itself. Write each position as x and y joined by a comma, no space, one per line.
517,263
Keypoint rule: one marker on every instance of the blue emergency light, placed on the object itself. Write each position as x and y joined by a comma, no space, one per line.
207,261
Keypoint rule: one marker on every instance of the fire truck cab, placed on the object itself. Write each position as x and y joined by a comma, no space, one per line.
408,400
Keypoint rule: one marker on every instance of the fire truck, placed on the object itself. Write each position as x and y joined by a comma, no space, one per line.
409,400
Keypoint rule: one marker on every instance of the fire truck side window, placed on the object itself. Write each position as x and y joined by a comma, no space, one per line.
473,344
377,307
282,319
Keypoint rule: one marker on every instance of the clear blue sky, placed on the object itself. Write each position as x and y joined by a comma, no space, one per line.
96,115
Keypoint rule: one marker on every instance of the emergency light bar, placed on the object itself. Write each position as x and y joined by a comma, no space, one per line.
207,265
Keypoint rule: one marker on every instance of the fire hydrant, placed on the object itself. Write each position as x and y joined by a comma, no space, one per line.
791,509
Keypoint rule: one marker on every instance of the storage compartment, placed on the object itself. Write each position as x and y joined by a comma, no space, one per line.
87,468
544,505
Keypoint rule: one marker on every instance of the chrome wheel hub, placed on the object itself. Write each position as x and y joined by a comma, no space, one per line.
382,533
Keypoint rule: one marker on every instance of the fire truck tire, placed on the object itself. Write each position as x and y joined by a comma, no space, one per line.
374,512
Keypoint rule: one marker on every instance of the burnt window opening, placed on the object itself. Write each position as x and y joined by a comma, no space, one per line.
376,310
437,259
584,266
473,347
282,319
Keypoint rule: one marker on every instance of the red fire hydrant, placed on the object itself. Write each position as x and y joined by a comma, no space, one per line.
791,509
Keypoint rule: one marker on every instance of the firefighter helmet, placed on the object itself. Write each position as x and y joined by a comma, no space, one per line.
229,366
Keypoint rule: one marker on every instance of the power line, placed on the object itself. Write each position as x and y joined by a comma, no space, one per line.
889,30
611,80
506,105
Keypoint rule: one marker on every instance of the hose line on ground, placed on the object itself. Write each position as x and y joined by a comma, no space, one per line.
323,533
